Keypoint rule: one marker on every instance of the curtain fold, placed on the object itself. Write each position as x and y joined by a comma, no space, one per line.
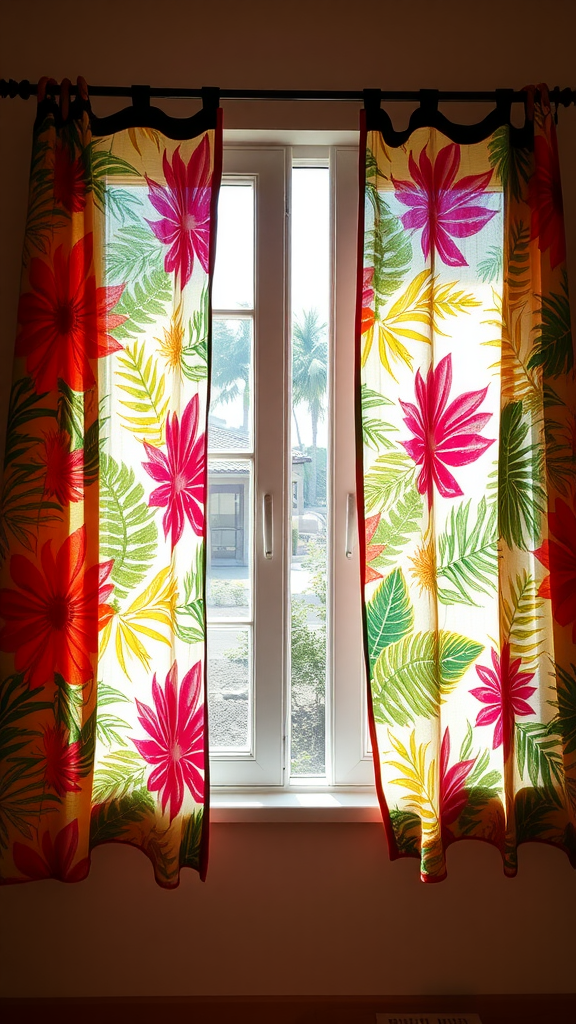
467,491
103,730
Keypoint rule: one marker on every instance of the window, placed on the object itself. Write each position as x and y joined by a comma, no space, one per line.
285,668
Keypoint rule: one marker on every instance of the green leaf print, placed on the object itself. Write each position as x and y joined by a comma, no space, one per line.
521,499
44,218
387,246
407,831
511,163
521,621
143,303
25,406
110,820
535,753
146,387
564,721
191,839
17,701
128,533
389,614
468,555
412,677
395,528
117,775
553,348
388,479
134,253
22,799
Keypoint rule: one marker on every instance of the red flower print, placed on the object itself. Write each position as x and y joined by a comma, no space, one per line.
505,692
180,473
372,550
62,759
57,859
443,207
545,200
64,320
453,795
64,478
368,315
176,725
184,205
69,180
559,556
443,435
52,620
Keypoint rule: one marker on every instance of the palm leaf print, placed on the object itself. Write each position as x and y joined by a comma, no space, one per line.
518,382
490,268
111,819
520,618
152,610
553,349
419,781
535,753
44,218
387,247
389,614
374,430
128,533
521,499
189,624
146,387
142,304
412,677
390,476
423,302
564,722
119,773
468,555
518,272
133,254
192,835
511,163
402,519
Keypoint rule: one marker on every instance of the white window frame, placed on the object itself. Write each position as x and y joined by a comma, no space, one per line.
269,158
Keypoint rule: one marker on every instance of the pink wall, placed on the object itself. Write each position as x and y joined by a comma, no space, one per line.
287,909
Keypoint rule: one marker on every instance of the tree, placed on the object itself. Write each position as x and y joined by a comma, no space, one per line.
231,363
310,376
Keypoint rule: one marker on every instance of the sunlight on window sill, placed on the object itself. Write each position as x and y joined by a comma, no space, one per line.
294,805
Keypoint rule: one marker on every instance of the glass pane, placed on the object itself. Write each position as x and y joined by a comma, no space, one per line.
234,273
310,317
230,416
229,546
229,688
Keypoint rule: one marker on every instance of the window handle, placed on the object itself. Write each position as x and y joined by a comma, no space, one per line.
350,524
267,524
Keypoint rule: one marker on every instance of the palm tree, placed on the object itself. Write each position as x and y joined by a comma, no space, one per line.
231,362
310,376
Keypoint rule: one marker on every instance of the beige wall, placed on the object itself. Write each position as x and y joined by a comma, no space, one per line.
287,909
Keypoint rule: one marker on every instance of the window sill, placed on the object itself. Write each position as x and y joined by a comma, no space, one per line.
298,805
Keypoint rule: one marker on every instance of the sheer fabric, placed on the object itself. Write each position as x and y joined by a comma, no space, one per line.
103,507
467,468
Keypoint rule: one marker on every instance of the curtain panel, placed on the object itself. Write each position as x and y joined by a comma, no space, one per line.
467,490
102,532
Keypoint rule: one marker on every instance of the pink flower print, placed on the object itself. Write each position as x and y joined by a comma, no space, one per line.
441,206
176,746
444,435
505,693
184,205
180,473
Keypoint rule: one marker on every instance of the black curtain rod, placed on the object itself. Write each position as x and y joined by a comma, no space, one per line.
24,89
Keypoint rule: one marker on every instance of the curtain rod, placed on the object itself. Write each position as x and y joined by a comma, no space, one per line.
24,89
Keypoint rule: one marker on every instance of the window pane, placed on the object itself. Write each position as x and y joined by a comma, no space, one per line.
229,544
230,689
234,272
230,418
310,316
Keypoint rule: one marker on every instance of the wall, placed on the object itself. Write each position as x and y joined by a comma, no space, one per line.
301,909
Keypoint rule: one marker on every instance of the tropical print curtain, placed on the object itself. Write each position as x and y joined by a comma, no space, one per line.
102,706
466,371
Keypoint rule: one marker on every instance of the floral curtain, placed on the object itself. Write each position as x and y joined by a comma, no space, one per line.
102,705
467,471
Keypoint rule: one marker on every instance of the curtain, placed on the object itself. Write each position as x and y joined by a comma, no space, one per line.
467,442
103,699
